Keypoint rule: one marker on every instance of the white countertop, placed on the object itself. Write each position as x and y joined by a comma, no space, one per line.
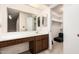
16,35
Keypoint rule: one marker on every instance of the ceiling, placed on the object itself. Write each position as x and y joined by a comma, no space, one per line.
58,9
57,12
48,5
40,6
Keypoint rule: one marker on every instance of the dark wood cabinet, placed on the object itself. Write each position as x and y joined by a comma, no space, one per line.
45,43
39,44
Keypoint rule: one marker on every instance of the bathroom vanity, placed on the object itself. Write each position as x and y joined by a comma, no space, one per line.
37,43
22,27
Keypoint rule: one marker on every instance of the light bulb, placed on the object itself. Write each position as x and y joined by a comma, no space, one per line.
10,17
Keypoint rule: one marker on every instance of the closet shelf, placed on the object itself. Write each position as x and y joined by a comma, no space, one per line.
55,20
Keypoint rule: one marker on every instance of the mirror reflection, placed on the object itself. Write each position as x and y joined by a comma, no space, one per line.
20,21
44,21
38,21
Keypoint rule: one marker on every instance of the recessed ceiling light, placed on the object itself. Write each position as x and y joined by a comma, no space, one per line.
38,6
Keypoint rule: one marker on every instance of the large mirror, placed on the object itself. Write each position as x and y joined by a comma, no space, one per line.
20,21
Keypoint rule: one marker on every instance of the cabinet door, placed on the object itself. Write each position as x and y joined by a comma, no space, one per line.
38,45
45,42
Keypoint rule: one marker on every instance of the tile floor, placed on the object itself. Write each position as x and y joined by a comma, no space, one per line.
57,48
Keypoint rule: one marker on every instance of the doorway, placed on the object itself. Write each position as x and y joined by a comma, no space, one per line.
57,29
13,18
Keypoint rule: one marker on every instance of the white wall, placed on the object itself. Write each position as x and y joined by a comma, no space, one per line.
49,28
71,28
0,19
3,19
